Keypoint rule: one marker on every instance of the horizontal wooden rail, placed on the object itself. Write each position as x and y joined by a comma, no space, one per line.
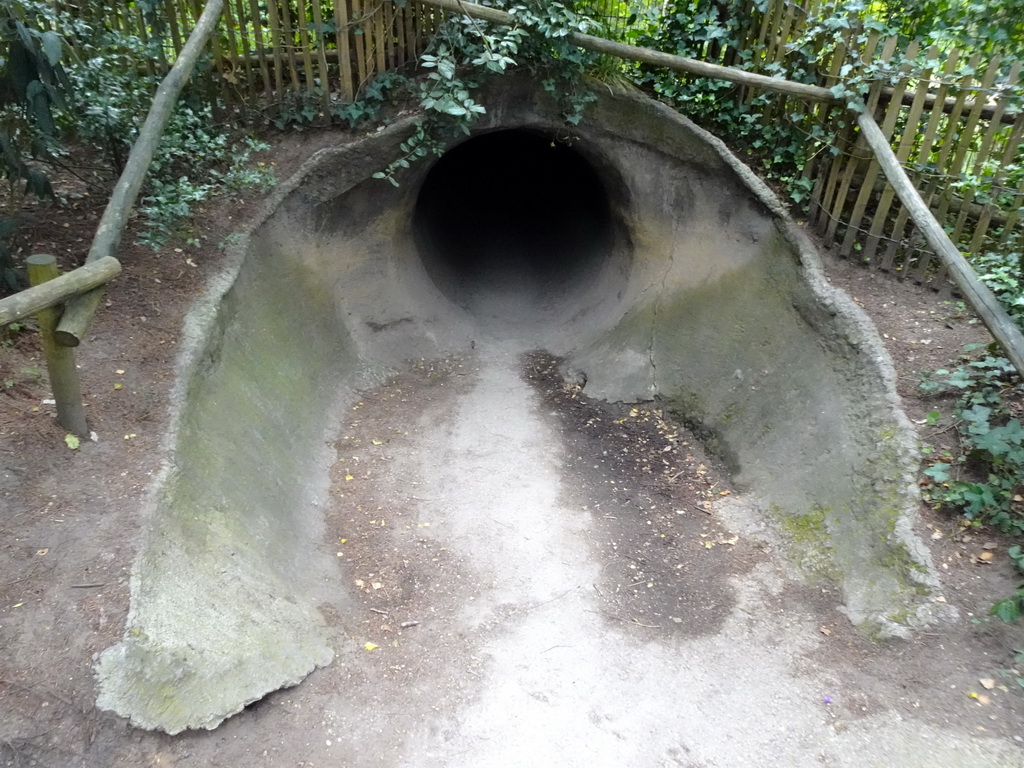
655,58
976,293
59,289
108,234
949,104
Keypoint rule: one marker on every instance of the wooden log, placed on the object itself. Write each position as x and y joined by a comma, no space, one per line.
976,293
108,234
654,58
58,290
60,361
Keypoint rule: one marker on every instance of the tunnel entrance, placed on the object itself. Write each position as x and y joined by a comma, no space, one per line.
514,225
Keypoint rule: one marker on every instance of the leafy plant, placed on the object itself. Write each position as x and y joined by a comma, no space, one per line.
465,52
985,480
31,84
1012,608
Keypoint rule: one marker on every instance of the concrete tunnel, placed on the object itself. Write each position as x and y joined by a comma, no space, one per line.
635,246
512,221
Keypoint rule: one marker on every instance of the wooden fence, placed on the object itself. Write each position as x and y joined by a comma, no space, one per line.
322,51
945,126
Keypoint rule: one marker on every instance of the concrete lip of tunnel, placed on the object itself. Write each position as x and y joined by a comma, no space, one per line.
634,246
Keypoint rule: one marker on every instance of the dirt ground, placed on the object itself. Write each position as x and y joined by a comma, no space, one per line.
70,525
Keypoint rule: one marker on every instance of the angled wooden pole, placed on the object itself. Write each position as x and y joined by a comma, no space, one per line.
108,235
975,292
60,361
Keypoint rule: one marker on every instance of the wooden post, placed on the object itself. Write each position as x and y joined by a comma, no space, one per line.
60,361
108,234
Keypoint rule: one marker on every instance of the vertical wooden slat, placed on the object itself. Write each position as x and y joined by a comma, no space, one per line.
400,44
967,135
924,153
379,41
300,26
873,169
835,165
171,17
363,62
248,44
911,131
321,55
290,54
1010,149
411,52
143,32
348,88
236,62
276,42
260,39
388,28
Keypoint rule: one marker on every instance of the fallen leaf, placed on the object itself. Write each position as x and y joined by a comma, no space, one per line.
972,695
348,477
377,442
708,544
987,683
376,585
937,535
370,646
72,442
730,541
120,372
989,545
360,583
17,605
985,557
119,385
825,630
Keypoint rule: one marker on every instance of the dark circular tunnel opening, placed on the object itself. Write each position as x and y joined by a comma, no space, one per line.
513,224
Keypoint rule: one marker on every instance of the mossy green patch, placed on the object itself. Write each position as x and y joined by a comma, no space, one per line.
809,541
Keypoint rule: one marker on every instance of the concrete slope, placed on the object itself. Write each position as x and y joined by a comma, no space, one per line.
639,249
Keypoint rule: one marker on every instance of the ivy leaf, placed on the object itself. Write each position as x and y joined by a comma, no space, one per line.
447,68
939,472
1009,609
51,47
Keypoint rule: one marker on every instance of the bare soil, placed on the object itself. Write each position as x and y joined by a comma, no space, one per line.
70,523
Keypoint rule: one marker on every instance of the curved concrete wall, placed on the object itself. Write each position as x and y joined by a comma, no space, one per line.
704,294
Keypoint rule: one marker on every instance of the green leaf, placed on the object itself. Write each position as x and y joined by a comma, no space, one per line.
939,472
1009,609
51,47
72,442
